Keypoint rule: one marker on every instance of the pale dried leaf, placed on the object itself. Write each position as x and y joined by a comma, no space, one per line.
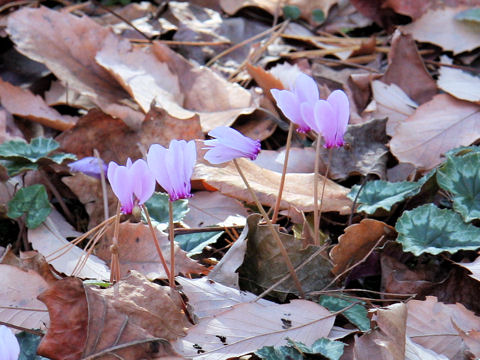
437,126
250,326
20,290
300,160
431,324
439,27
393,103
23,103
47,238
473,267
210,298
298,190
413,351
460,84
213,208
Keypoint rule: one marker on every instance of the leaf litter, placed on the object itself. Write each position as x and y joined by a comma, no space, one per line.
116,85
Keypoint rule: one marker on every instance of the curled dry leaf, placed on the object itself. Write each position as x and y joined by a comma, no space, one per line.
249,326
217,101
20,289
298,190
404,58
433,325
473,267
137,251
134,319
22,102
456,36
67,45
437,126
357,241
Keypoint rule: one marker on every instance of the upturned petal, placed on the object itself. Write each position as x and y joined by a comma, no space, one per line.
339,101
89,166
144,181
325,122
173,167
306,89
9,347
122,185
229,144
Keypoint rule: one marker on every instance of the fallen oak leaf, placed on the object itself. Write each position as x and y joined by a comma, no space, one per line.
298,190
23,103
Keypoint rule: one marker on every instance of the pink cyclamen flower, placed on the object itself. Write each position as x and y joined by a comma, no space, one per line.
173,167
133,183
297,105
89,166
229,144
331,118
9,347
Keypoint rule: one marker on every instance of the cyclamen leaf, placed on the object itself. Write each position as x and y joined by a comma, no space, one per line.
380,194
428,229
461,177
157,207
291,12
33,201
330,349
357,314
15,167
37,149
194,243
279,353
472,14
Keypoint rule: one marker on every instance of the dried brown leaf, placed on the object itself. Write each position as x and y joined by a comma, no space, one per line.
473,267
249,326
137,251
437,126
18,299
439,27
404,58
298,190
357,241
300,160
460,84
23,103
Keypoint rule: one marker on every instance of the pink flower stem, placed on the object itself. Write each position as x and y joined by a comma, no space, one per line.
330,151
284,172
316,220
155,241
171,235
283,251
115,262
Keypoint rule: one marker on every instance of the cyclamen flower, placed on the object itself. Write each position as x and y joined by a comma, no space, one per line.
297,105
133,183
173,167
331,118
89,166
9,347
229,144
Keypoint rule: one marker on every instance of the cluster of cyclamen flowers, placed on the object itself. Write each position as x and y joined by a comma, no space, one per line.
304,108
172,168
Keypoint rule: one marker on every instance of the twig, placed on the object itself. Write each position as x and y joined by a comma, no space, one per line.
316,222
272,229
57,196
155,241
103,182
324,183
171,235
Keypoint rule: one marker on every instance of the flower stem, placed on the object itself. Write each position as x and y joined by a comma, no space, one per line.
155,241
171,235
272,229
115,262
316,220
324,183
284,172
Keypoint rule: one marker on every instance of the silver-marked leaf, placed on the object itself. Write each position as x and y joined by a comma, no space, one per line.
32,200
37,149
357,314
428,229
461,177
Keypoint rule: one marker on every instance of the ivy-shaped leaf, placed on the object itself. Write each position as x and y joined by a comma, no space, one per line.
196,242
157,207
32,200
329,349
461,177
381,194
18,156
428,229
357,314
279,353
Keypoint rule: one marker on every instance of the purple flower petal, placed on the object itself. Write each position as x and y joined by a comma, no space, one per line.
173,167
122,185
306,89
289,104
9,347
89,166
144,182
339,101
325,123
229,144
